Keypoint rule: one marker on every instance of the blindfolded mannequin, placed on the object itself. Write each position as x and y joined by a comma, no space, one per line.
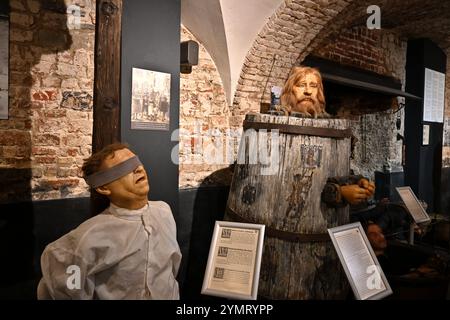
129,251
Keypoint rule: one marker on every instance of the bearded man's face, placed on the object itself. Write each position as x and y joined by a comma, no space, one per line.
306,91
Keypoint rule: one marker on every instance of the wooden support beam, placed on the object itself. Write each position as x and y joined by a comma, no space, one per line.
107,73
106,127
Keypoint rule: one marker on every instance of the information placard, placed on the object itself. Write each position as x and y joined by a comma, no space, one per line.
234,260
413,205
434,97
360,263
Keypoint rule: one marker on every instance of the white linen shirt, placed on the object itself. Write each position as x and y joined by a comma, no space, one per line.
120,253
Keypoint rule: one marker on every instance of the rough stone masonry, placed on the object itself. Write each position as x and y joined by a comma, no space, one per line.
49,130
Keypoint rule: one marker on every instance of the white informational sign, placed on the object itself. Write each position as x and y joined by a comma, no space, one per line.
234,260
413,205
4,66
360,263
433,104
426,135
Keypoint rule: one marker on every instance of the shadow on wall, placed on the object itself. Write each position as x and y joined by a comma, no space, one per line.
17,242
203,205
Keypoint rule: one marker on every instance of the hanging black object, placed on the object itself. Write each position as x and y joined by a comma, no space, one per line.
188,56
4,9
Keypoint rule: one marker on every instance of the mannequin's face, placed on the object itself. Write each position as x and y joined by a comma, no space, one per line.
306,90
129,188
376,237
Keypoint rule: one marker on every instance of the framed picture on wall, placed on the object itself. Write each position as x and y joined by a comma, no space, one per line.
4,59
234,260
150,100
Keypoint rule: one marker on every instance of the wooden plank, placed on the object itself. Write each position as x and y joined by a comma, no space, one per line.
106,126
295,129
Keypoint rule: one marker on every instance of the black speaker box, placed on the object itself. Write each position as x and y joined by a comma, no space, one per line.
189,53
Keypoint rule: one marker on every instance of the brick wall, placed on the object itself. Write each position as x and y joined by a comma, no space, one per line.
377,51
298,28
49,130
50,126
384,53
288,35
204,122
356,47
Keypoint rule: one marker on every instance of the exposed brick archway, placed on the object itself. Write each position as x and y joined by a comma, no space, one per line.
289,34
298,27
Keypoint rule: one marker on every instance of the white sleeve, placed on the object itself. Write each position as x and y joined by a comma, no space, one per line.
42,291
64,276
165,206
172,227
168,217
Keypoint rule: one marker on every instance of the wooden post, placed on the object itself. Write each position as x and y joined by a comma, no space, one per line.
106,127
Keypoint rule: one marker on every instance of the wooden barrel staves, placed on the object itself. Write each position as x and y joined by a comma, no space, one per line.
278,182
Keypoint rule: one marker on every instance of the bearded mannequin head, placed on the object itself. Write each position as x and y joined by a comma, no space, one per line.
303,92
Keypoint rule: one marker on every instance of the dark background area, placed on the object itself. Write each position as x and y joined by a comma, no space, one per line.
4,8
423,162
25,229
200,208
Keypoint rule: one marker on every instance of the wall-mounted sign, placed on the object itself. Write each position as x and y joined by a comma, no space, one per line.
426,135
360,263
433,100
234,260
413,205
4,64
150,100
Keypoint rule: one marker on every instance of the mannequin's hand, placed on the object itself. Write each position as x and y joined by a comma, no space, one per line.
353,193
285,109
369,186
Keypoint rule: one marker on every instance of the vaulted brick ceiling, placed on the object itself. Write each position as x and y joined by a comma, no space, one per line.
323,20
412,18
227,28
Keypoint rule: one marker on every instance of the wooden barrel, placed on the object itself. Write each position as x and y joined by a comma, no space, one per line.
299,261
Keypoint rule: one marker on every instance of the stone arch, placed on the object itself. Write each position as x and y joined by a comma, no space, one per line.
204,119
298,27
290,33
